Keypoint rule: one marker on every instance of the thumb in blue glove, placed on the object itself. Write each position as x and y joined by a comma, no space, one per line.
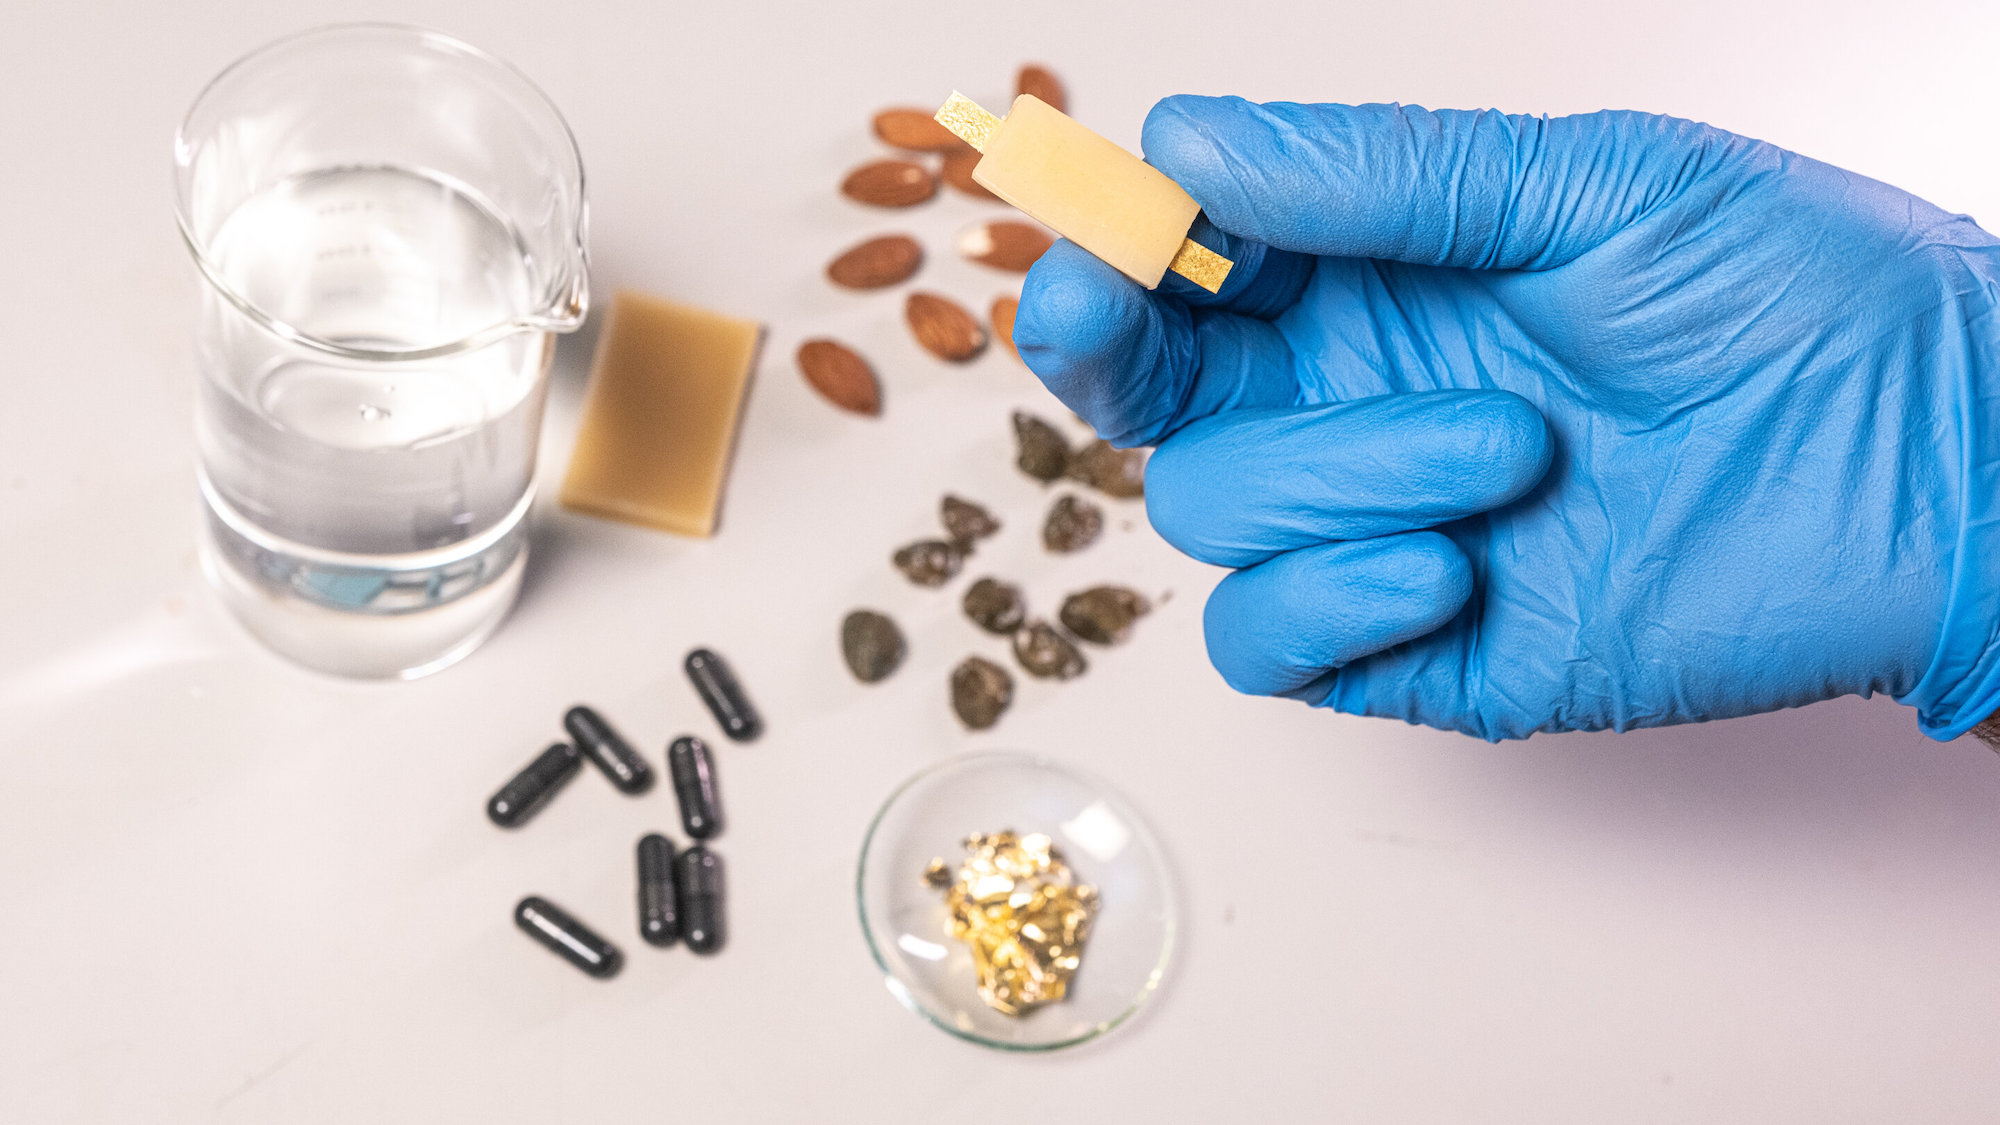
1512,424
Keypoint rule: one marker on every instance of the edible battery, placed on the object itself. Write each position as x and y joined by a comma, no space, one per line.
724,696
659,899
595,737
693,772
575,942
528,790
698,874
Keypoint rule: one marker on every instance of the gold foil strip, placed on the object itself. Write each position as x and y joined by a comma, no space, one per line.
1201,265
1014,901
967,119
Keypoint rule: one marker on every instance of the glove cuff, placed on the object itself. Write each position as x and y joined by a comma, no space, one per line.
1962,686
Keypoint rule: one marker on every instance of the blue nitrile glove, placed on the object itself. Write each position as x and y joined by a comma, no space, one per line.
1515,424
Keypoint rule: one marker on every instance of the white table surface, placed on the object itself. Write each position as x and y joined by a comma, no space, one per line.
235,891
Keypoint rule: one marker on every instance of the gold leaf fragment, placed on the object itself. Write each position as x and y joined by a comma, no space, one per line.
1015,902
1201,265
968,119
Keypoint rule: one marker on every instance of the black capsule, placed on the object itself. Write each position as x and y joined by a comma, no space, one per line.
659,899
575,942
622,764
530,789
693,772
698,874
724,696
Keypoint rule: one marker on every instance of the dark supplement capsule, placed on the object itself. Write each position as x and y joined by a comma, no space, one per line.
659,899
698,872
521,797
622,764
724,696
547,923
693,771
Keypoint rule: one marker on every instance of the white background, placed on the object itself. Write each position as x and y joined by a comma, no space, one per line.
234,891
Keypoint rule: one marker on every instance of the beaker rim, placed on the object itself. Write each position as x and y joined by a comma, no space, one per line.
565,300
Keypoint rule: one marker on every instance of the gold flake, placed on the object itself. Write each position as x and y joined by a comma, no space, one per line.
968,119
1201,265
1016,903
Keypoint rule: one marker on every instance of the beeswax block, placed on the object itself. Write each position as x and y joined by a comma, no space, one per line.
1086,189
660,415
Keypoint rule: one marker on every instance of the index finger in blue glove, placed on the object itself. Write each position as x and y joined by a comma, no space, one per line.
1236,489
1467,188
1137,365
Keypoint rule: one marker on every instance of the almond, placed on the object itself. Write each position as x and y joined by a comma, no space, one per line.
914,129
842,376
958,168
1005,244
1040,81
889,183
877,262
943,327
1002,316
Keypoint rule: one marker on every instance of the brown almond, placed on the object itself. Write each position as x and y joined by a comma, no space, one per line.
889,183
1005,244
844,378
943,327
958,168
877,262
914,129
1041,81
1002,316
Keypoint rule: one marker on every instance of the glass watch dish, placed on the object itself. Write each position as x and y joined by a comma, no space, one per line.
905,919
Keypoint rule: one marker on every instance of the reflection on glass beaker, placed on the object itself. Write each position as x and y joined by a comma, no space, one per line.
390,228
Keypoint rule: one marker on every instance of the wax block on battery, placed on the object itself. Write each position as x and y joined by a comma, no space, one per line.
1086,189
660,416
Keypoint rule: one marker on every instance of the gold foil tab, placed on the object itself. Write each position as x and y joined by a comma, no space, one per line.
1014,901
1201,265
968,119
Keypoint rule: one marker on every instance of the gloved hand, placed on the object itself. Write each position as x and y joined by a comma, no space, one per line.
1512,424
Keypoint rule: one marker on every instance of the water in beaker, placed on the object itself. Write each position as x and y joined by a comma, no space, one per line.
390,225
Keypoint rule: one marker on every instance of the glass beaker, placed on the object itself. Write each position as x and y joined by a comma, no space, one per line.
390,228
